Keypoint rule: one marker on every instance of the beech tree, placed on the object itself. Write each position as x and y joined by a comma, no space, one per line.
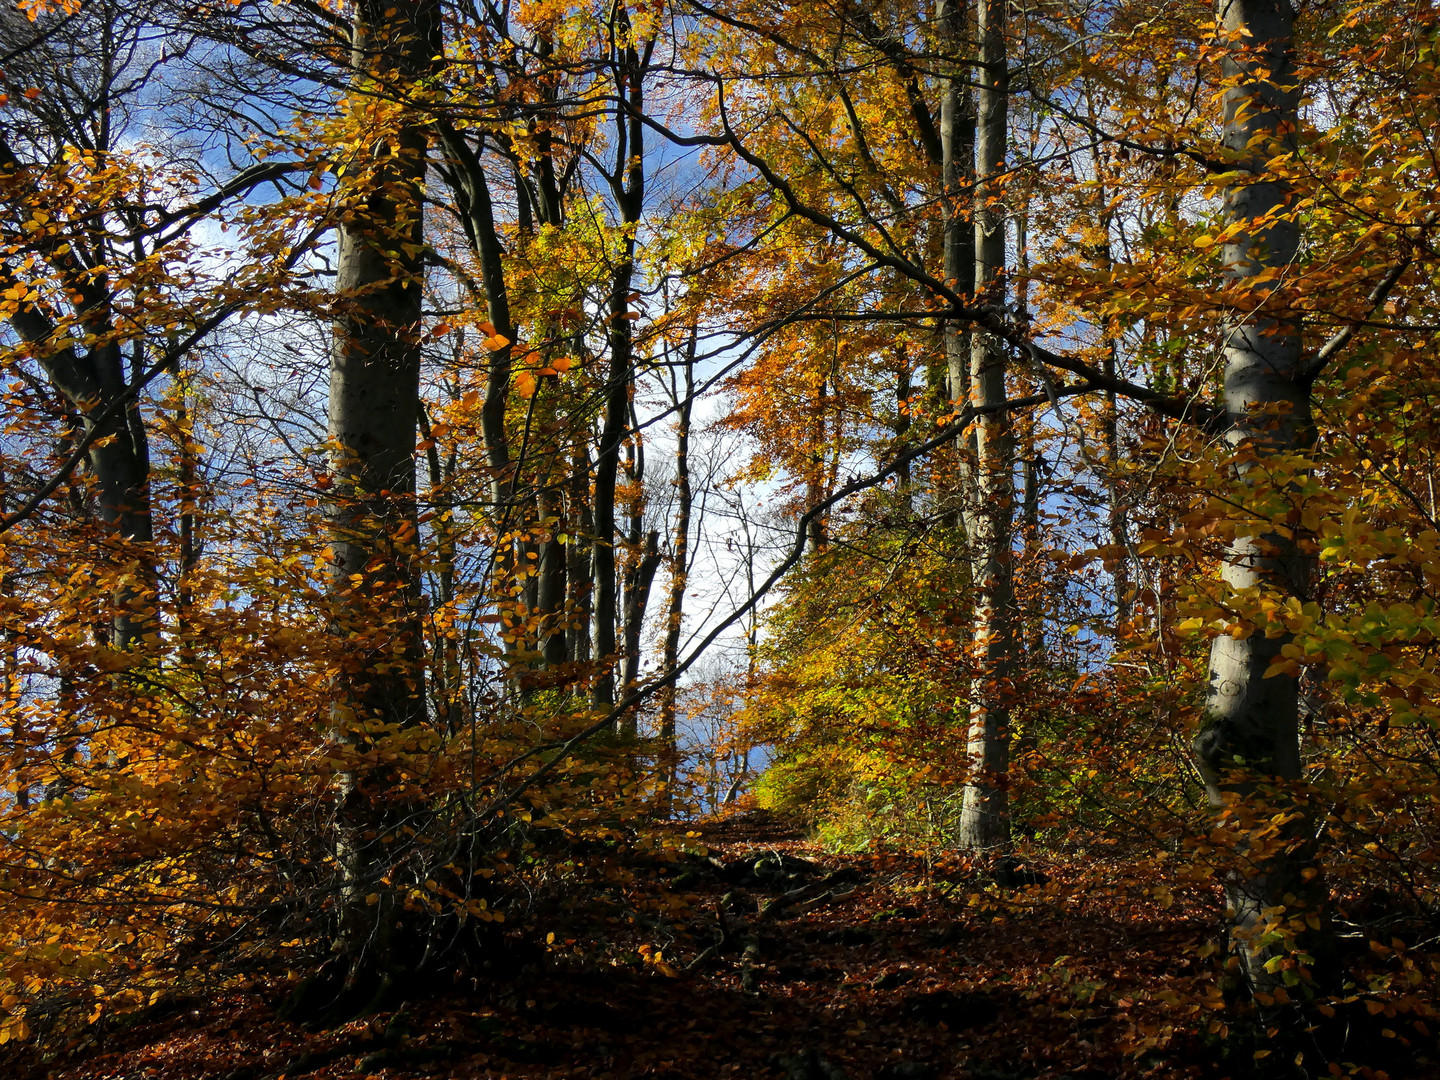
372,419
1251,729
984,821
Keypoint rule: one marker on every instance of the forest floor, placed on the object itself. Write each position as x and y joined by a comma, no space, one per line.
756,955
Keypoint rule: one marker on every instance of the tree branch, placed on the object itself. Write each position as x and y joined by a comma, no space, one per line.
1310,370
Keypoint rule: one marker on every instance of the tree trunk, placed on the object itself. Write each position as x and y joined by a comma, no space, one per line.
1029,629
679,576
815,484
957,147
91,383
449,676
466,173
551,596
472,191
1119,561
120,460
628,184
642,558
607,464
372,417
637,600
957,178
579,559
985,813
1249,744
903,391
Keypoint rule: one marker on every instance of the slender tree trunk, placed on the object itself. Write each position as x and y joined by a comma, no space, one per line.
472,191
1116,517
471,187
119,458
191,537
636,547
579,560
679,576
815,485
903,391
957,177
1248,748
1119,563
752,648
447,694
372,417
552,576
607,464
957,145
985,813
1030,607
640,566
628,184
637,601
13,694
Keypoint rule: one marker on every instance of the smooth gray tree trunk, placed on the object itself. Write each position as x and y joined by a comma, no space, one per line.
985,810
1248,749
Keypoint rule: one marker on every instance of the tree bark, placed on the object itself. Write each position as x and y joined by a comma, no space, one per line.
579,558
372,417
679,576
985,812
551,595
448,678
628,185
637,601
477,214
466,173
957,178
1248,749
903,391
607,463
1029,607
957,146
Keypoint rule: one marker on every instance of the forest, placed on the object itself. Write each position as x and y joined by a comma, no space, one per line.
719,538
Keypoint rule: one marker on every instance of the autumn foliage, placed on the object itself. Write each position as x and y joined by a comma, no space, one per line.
449,453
